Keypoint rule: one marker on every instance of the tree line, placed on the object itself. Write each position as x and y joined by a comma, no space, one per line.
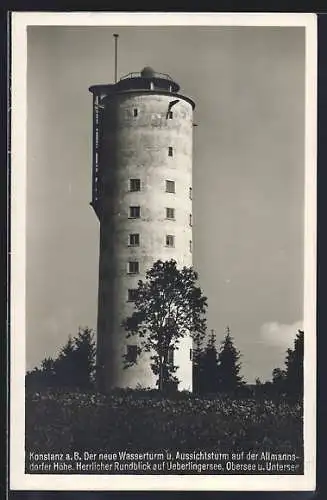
73,368
168,305
219,370
215,371
288,380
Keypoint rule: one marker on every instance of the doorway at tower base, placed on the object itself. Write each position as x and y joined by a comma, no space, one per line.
141,376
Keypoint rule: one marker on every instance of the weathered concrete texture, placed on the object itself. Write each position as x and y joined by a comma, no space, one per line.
137,147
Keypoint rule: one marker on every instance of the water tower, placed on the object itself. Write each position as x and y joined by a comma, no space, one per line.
142,196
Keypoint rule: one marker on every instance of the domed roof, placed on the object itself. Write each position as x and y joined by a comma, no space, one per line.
147,72
147,79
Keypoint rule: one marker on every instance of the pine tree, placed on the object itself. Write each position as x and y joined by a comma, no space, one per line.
72,369
294,367
289,381
208,367
48,372
41,378
75,364
65,366
278,380
229,365
85,351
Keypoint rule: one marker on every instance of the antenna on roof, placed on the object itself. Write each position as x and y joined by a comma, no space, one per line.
116,37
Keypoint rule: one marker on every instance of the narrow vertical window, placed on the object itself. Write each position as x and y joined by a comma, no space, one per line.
190,220
170,115
170,151
190,193
134,212
170,240
135,111
191,246
134,240
191,354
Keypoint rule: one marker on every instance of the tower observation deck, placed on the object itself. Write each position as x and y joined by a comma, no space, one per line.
142,196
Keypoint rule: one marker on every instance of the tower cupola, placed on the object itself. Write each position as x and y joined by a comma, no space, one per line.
147,79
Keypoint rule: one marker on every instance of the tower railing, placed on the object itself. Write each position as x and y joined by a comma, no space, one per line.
153,75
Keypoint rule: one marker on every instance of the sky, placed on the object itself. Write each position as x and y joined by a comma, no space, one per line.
248,177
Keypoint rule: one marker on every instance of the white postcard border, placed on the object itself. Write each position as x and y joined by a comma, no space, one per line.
18,479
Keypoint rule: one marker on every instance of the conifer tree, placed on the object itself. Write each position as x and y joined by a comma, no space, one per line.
85,351
294,367
229,365
289,381
65,365
72,369
278,380
209,366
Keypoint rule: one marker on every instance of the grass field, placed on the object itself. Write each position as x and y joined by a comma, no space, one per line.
144,421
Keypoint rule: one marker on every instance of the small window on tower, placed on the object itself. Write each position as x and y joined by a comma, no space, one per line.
170,115
133,267
135,185
191,354
170,151
132,294
170,213
170,186
191,246
134,212
190,220
136,112
190,193
131,354
170,240
134,240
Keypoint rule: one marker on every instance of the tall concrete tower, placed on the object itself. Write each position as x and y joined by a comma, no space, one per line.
142,196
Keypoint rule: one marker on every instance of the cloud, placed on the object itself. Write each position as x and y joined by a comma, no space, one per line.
278,334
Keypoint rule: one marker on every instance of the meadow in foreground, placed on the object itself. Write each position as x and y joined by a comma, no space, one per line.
144,421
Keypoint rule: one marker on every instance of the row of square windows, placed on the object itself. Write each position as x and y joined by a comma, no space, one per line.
135,185
135,213
131,354
134,240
